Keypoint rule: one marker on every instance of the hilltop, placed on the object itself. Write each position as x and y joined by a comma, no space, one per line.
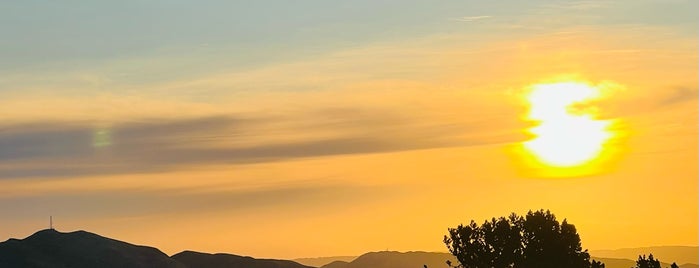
51,248
221,260
392,259
320,261
679,254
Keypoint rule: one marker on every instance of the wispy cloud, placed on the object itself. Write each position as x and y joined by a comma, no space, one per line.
472,18
53,149
134,202
679,95
586,5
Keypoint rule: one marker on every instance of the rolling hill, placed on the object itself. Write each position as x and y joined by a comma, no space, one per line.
320,261
50,248
626,263
393,259
390,259
678,254
220,260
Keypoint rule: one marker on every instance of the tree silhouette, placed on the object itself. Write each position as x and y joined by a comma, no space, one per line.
536,240
596,264
674,265
651,262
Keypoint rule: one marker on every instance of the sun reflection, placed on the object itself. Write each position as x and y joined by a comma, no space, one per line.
568,138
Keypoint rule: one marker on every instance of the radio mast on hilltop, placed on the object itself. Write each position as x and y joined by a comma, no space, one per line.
51,222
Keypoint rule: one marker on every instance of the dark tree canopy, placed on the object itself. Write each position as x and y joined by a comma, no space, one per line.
536,240
596,264
650,262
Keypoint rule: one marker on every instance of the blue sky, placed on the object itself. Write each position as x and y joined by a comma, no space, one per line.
36,33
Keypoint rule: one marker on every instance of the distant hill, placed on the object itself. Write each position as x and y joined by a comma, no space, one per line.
389,259
50,248
678,254
626,263
204,260
320,261
336,264
393,259
617,263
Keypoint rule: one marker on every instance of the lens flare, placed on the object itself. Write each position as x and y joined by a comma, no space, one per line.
101,138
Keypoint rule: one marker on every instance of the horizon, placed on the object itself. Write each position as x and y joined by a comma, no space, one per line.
55,247
51,228
337,256
317,128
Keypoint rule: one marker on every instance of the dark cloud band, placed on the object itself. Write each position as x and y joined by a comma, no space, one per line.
54,149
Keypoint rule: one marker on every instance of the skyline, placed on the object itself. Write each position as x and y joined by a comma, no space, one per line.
284,130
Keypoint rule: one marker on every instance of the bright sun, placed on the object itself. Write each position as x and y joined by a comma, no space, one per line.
566,135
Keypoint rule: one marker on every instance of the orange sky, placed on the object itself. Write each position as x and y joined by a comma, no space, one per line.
377,144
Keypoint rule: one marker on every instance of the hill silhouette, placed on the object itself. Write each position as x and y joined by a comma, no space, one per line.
393,259
626,263
679,254
221,260
50,248
320,261
336,264
390,259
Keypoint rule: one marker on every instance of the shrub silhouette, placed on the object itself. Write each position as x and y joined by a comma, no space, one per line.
650,262
536,240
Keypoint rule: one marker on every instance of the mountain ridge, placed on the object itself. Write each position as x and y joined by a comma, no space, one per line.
195,259
77,249
678,254
320,261
387,259
51,248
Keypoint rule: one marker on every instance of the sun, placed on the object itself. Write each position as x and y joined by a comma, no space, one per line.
567,133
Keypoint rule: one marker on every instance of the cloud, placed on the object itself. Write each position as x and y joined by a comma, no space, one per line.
583,5
134,202
55,149
472,18
679,95
380,98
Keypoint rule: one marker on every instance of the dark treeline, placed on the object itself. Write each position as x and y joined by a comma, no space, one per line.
535,240
651,262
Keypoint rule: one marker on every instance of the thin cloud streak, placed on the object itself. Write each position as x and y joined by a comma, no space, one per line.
472,18
157,202
71,149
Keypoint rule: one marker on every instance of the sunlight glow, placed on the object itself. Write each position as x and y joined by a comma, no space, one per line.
567,134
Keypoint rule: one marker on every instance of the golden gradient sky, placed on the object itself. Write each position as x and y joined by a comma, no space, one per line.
317,129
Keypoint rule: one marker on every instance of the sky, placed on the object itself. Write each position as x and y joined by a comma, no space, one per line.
321,128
